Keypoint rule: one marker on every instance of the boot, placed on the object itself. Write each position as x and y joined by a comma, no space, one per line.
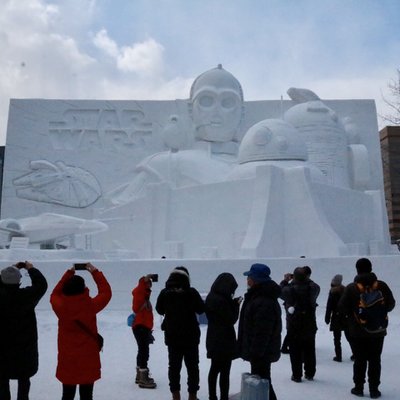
145,382
137,379
193,396
358,390
176,395
374,393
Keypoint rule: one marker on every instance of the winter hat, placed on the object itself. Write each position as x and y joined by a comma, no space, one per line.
337,280
363,266
11,276
259,273
74,285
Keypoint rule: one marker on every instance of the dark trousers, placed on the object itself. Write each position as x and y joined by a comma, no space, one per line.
262,368
85,392
190,355
302,352
285,343
367,355
23,389
142,335
221,367
337,336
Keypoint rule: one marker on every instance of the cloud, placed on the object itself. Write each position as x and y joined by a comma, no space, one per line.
43,58
54,50
106,44
144,58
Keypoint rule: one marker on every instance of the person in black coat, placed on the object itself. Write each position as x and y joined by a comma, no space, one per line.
260,323
222,313
367,347
333,318
18,333
179,303
300,299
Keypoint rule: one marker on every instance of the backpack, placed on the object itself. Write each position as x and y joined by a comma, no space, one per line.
372,314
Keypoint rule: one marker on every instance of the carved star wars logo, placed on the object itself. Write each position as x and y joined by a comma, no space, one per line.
116,130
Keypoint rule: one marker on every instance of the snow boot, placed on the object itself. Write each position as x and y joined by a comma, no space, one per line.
176,395
145,382
357,391
193,396
374,393
137,379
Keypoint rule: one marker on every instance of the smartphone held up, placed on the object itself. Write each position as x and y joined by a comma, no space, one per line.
80,266
154,277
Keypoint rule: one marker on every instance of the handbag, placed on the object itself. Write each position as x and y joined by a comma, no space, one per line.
131,319
97,336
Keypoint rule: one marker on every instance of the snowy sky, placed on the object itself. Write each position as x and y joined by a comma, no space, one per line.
153,49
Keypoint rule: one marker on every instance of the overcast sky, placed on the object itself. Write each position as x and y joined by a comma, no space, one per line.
153,49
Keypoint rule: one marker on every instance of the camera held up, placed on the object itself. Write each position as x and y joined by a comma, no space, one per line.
154,277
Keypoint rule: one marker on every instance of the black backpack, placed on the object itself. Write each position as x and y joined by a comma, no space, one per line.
371,313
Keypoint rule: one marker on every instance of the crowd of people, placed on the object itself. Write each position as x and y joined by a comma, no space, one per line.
358,309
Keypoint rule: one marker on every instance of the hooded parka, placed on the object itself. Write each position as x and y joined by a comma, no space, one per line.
78,352
222,313
179,303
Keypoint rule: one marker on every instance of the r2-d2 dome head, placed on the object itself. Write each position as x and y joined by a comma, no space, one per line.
272,139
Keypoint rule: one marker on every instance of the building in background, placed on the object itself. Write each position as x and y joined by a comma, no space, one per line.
2,149
390,148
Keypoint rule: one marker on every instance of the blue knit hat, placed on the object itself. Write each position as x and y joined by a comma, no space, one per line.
259,273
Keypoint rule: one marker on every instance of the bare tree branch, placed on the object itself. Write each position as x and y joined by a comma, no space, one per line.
394,102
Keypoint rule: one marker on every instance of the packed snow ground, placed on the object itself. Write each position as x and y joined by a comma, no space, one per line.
332,381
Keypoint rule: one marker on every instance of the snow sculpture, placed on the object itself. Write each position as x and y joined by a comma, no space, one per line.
287,218
212,176
59,184
48,229
216,110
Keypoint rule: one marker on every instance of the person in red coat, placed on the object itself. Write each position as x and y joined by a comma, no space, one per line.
78,348
142,329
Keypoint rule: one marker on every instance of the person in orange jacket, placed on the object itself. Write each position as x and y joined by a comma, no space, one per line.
78,347
142,329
